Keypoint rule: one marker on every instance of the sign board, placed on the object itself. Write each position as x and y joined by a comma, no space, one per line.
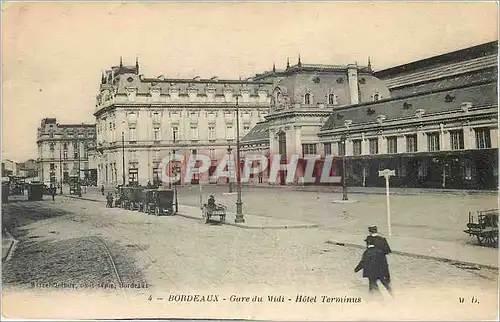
387,173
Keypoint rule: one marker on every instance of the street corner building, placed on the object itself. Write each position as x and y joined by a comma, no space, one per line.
433,121
63,152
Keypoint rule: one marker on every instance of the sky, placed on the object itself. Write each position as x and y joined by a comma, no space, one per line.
53,53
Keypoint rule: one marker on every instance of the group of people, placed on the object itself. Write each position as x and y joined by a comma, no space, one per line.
374,261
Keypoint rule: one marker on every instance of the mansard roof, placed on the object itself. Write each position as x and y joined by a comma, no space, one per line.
444,71
467,54
447,100
259,132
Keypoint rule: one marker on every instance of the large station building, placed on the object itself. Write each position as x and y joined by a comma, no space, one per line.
433,121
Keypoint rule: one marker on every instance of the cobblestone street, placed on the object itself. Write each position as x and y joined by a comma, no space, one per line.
177,255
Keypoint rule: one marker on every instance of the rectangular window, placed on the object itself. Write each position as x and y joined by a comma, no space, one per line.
356,147
52,166
308,149
175,133
229,132
483,139
457,139
156,117
392,144
212,154
156,134
327,148
211,133
132,135
411,143
341,148
65,166
433,141
133,156
65,146
373,146
156,155
211,117
51,147
194,133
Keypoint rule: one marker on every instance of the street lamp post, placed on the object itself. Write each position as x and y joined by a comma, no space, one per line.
60,171
79,170
344,168
123,158
174,184
229,150
239,203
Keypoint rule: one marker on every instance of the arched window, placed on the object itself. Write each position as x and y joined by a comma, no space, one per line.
376,97
307,99
331,99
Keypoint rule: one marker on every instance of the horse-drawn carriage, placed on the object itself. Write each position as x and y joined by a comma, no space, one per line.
485,229
130,197
212,209
158,201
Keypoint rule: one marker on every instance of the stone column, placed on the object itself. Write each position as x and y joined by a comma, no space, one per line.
382,144
421,141
469,142
401,144
494,138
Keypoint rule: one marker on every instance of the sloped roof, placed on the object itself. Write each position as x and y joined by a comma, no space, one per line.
259,132
486,49
434,102
438,72
455,81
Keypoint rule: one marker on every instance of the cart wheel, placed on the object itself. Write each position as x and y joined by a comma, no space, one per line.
157,211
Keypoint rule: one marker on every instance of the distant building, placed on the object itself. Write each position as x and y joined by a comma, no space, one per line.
62,149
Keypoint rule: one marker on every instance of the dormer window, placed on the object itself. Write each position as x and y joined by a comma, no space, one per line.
307,99
376,97
332,99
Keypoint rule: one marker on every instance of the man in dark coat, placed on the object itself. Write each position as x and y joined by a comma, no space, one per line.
375,267
377,240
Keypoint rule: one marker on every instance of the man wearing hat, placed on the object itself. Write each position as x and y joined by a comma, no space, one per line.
377,240
374,266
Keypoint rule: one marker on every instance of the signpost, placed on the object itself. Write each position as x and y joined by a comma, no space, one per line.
387,173
201,195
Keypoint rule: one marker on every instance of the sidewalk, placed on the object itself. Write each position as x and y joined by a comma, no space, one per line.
372,190
355,190
429,249
251,221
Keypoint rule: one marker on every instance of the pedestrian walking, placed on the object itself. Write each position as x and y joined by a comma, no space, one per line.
377,240
102,190
53,193
375,267
109,199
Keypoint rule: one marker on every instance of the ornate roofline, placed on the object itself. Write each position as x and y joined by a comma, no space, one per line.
207,81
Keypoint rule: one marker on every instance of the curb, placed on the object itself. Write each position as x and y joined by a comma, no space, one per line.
226,223
393,192
253,227
87,199
10,251
440,259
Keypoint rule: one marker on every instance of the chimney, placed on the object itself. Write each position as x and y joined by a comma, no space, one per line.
352,77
